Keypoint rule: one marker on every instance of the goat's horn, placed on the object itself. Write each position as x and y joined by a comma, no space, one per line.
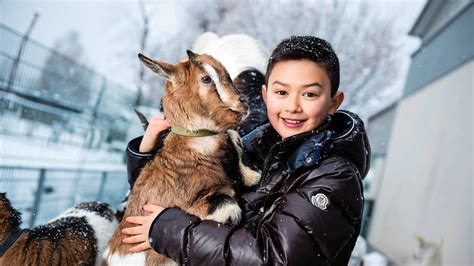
191,55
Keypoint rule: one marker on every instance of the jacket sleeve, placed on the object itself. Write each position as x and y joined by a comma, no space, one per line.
289,230
137,160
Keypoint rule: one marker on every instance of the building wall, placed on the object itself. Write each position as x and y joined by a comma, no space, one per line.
449,9
379,129
428,181
448,49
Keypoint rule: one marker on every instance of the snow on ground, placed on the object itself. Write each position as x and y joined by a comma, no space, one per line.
37,153
71,172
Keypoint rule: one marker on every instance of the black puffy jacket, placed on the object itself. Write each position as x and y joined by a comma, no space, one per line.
306,210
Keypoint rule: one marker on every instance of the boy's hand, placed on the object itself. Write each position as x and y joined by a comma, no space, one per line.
157,124
139,234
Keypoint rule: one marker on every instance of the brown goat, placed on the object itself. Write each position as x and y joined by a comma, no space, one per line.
78,236
200,162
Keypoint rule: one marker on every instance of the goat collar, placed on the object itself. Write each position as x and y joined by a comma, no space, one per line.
192,133
10,240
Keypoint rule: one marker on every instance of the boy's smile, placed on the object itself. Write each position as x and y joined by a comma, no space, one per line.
298,97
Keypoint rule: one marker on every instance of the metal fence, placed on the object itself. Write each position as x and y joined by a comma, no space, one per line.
41,194
58,118
43,86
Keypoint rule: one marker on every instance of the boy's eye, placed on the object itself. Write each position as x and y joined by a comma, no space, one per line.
278,92
310,94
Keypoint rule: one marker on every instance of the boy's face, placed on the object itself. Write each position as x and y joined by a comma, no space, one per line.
298,97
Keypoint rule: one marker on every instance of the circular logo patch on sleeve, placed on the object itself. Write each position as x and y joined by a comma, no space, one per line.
320,200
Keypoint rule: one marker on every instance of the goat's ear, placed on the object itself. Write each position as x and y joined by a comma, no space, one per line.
164,70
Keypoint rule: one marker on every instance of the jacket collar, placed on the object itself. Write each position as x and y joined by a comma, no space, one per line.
342,132
309,145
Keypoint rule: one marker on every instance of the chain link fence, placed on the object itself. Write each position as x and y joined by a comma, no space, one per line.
63,129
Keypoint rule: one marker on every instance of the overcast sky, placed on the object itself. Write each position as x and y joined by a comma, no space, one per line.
101,24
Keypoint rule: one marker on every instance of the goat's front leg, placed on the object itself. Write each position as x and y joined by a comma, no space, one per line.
218,205
250,176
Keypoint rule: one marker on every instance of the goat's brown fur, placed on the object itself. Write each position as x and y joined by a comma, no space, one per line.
68,240
188,171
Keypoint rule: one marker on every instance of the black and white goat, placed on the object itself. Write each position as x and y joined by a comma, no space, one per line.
76,237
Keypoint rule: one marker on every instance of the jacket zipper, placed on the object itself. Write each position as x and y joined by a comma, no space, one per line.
265,164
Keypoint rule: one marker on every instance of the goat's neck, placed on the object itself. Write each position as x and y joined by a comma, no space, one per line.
206,145
192,133
196,122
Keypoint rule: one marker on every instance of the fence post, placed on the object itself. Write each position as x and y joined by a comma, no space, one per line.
37,199
95,112
102,185
16,61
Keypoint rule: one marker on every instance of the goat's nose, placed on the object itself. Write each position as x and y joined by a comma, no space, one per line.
243,100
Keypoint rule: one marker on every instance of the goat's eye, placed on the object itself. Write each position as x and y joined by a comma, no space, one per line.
206,79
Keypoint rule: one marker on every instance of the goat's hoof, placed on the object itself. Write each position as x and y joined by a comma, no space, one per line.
252,178
226,213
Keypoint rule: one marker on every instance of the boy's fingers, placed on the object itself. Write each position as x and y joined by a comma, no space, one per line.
158,127
141,247
152,208
136,219
133,230
158,117
135,239
164,126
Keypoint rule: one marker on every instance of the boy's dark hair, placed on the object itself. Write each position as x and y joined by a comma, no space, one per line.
307,48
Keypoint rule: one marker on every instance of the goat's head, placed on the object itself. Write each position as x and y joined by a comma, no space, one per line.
9,217
199,93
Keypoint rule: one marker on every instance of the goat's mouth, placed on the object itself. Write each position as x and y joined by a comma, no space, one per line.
240,108
242,113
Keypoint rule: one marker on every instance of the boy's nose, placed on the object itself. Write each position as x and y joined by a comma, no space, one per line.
293,106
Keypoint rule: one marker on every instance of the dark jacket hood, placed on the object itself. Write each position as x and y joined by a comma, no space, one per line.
350,139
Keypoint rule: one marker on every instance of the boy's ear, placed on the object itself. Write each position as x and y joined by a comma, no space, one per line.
336,101
264,93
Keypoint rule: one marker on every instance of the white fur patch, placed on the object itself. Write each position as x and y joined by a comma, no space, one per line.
103,228
212,73
234,136
224,95
249,176
130,259
237,52
204,145
226,212
203,41
201,122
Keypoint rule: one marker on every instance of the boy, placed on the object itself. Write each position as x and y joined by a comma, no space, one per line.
308,206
